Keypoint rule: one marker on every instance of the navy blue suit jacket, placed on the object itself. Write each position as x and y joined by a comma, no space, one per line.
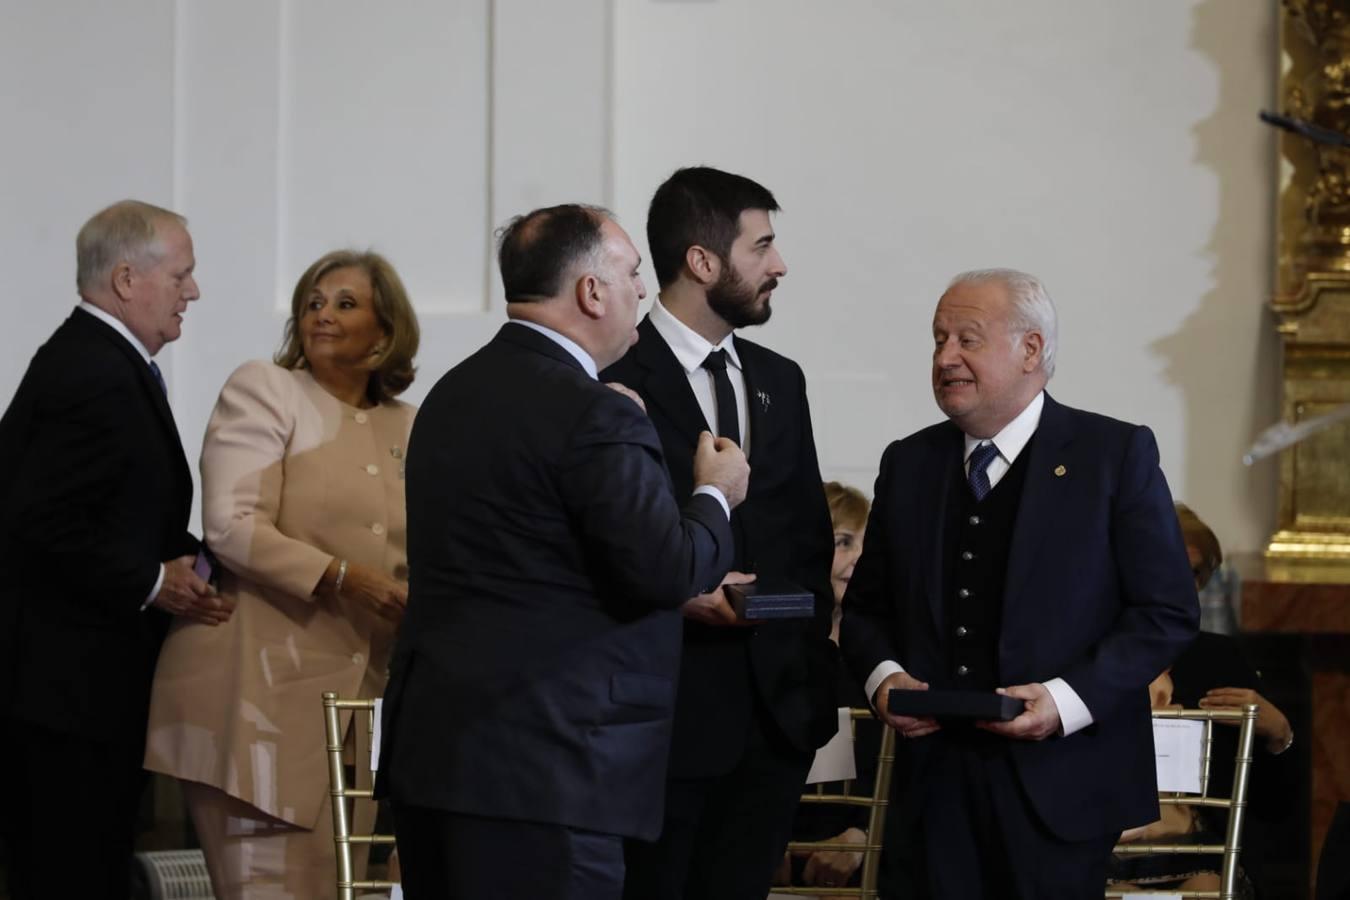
1098,592
534,674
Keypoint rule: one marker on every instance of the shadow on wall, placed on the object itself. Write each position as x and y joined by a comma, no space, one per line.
1225,357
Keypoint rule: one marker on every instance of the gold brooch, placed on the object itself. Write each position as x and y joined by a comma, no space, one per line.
1059,471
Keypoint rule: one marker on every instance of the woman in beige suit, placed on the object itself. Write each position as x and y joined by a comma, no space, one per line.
302,502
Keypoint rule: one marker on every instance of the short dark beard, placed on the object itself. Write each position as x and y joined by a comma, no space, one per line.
733,299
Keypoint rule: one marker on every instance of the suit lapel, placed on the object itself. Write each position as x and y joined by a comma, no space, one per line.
943,470
758,397
1042,500
149,385
666,385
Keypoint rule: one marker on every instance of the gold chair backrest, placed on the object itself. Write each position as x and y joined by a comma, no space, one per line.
341,793
875,802
1235,802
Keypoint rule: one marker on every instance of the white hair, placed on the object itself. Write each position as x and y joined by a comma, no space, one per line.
127,231
1032,308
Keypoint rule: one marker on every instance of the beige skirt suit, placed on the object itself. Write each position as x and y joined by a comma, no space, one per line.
291,479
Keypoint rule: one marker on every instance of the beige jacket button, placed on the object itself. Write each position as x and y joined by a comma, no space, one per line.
358,658
377,528
361,418
372,469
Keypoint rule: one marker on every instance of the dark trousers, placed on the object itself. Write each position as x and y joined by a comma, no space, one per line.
976,836
71,824
453,856
724,836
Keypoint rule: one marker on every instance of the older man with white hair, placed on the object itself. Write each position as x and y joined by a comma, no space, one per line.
1029,549
95,495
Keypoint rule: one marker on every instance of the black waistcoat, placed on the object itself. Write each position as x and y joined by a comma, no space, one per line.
976,541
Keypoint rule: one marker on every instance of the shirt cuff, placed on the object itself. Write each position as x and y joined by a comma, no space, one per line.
716,494
884,670
1073,712
154,591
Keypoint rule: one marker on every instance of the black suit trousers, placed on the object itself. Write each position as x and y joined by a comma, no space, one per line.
452,856
977,836
724,835
70,828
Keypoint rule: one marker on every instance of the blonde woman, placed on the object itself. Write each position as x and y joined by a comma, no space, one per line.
303,504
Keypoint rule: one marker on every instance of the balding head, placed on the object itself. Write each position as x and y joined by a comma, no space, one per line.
537,252
572,269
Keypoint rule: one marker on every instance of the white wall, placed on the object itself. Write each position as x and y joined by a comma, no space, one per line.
1112,148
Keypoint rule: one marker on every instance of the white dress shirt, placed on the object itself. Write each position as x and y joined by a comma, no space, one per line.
1073,712
581,356
691,349
120,327
576,350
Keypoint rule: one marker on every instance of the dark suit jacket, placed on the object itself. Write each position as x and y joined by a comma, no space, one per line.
1098,592
94,494
534,675
782,529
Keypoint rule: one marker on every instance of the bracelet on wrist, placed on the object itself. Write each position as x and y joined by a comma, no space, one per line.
342,573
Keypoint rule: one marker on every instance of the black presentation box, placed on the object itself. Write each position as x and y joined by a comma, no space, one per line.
985,706
771,599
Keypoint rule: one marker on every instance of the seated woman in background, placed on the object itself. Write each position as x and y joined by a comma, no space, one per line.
848,516
302,502
828,868
1210,674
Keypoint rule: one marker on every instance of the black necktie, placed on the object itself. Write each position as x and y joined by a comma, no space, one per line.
980,458
728,420
159,378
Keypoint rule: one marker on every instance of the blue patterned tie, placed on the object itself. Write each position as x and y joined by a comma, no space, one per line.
159,377
978,477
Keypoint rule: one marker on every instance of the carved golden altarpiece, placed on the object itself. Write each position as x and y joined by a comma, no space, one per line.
1312,296
1300,587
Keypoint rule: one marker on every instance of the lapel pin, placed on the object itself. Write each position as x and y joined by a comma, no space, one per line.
763,399
1059,471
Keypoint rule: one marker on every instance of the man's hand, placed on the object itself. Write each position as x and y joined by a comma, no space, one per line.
905,726
1037,722
1271,724
833,868
183,593
627,392
719,463
712,608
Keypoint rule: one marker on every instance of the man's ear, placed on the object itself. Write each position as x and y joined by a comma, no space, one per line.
1033,344
590,296
703,265
123,278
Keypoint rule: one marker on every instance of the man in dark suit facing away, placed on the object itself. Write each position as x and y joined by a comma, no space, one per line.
1030,548
95,497
527,719
755,699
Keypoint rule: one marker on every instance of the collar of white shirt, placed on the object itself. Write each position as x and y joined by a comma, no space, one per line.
1015,434
116,325
565,342
690,347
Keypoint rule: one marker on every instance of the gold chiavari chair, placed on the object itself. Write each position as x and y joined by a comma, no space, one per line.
341,793
875,802
1235,803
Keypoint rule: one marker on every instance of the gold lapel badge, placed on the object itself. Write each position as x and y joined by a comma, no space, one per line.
1060,471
